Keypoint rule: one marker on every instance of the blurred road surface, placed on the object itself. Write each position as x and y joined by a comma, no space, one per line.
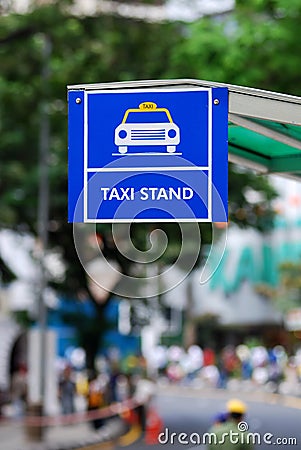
190,411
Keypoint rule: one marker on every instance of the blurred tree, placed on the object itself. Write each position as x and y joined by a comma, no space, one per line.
105,48
256,45
287,294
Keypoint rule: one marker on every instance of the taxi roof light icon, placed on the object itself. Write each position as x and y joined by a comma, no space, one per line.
147,125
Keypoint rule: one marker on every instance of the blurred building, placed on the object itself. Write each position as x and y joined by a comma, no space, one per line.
232,306
239,300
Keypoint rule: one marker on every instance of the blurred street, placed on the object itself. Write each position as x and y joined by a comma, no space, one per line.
197,409
276,414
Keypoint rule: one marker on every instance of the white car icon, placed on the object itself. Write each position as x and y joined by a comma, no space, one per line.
147,125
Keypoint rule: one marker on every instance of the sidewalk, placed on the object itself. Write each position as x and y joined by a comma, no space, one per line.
284,388
288,394
13,435
290,386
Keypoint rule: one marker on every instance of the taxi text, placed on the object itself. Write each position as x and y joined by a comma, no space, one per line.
146,193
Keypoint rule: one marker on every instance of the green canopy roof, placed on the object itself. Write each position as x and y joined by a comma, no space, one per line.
265,130
264,126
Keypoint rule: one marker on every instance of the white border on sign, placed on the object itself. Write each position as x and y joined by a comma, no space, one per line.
88,170
85,156
209,209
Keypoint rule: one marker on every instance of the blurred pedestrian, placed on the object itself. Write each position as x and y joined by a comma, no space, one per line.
67,391
220,418
223,374
230,434
113,380
19,390
123,387
95,398
208,357
144,392
274,371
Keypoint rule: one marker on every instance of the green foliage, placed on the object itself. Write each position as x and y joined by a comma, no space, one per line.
242,210
291,275
255,46
23,318
287,295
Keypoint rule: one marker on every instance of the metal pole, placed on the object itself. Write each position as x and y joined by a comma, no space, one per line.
43,207
37,388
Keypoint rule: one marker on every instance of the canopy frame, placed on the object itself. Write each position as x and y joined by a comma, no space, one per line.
264,126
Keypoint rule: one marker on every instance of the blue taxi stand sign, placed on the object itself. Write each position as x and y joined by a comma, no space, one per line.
148,154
